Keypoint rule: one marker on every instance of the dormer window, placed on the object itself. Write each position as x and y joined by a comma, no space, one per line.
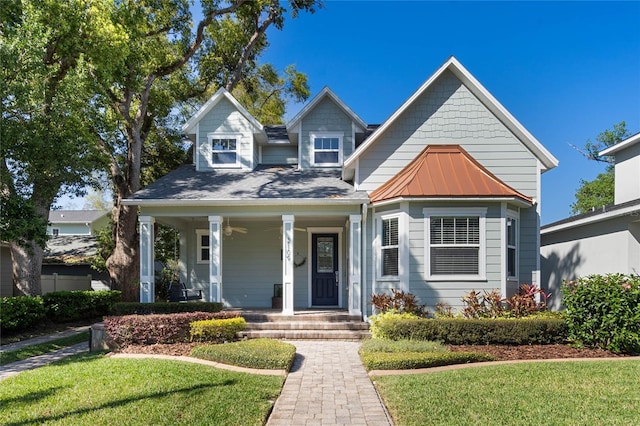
326,149
224,149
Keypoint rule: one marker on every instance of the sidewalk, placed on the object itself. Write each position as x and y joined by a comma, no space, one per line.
14,368
328,385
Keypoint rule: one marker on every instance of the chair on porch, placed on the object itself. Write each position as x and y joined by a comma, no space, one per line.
178,292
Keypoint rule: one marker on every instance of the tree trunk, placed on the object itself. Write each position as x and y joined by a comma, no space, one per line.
27,269
124,262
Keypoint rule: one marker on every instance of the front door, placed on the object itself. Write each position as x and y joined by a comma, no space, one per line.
324,275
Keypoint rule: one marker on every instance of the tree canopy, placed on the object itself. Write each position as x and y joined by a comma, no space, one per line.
599,192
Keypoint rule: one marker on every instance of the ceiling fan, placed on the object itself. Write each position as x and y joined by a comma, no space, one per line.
227,230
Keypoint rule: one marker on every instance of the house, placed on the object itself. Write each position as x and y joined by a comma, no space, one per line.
72,241
606,240
441,198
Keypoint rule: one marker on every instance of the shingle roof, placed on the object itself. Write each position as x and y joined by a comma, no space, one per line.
277,133
67,247
75,216
265,184
444,171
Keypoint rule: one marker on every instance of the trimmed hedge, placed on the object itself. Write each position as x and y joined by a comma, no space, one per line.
252,353
66,306
136,308
18,314
477,331
216,330
604,311
156,328
411,360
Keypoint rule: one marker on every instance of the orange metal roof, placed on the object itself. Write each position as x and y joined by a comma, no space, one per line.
443,171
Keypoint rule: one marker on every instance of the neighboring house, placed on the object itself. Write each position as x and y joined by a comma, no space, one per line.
606,240
441,198
72,241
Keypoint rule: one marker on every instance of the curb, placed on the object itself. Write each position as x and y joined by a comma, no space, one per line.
263,372
378,373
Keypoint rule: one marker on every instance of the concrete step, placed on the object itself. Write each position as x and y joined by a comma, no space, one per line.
305,317
308,325
306,334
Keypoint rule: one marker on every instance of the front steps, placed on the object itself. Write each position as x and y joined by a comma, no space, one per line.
304,325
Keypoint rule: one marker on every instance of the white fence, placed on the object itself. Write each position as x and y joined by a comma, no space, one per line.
55,282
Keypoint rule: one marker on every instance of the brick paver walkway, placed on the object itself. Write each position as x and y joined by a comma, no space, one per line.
328,385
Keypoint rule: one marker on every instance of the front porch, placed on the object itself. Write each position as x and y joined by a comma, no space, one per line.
237,257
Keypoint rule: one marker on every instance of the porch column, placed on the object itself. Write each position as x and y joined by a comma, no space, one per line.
147,279
287,264
355,267
215,258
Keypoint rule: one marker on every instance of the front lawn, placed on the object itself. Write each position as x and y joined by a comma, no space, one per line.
564,393
96,390
42,348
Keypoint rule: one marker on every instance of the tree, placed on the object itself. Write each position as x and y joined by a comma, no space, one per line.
162,62
600,191
46,143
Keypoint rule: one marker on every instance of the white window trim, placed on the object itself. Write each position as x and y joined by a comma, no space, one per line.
378,244
313,136
481,213
199,246
214,135
515,216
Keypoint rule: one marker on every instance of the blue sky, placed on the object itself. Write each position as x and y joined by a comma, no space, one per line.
566,70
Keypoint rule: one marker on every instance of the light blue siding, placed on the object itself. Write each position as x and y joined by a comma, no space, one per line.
287,154
448,113
225,118
325,117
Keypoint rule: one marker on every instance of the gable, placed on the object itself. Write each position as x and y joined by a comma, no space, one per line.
446,112
453,68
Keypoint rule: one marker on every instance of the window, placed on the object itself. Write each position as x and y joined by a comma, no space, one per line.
455,243
389,247
326,149
203,246
224,149
512,247
55,232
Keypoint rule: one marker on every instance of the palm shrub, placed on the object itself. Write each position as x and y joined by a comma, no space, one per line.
604,311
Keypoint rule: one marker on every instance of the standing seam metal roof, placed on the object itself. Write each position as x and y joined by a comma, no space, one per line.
444,171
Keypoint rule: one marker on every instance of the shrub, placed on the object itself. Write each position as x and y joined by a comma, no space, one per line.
216,330
66,306
604,311
490,304
385,345
460,331
411,360
20,313
399,301
253,353
130,308
376,320
156,328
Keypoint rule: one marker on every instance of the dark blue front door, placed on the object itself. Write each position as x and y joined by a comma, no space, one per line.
324,284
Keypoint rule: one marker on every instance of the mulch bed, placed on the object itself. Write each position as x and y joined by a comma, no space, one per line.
508,353
501,352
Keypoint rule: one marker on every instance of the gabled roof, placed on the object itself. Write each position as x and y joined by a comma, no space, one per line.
75,216
222,93
546,158
325,92
445,171
621,145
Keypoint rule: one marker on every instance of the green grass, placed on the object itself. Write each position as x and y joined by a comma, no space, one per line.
42,348
567,393
253,353
383,354
91,389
